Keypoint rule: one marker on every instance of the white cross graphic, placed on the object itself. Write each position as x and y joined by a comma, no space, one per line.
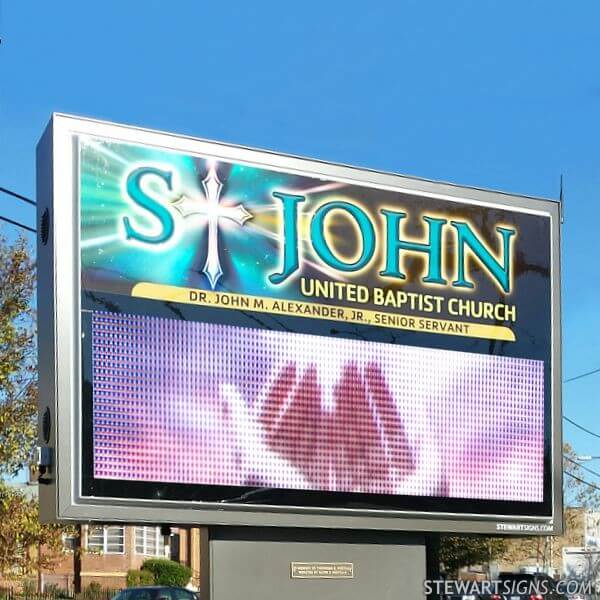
213,211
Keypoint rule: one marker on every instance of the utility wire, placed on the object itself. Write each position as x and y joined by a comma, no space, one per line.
23,199
582,480
591,471
582,375
18,196
7,220
580,427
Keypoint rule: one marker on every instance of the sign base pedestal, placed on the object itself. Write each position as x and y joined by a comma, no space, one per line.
300,564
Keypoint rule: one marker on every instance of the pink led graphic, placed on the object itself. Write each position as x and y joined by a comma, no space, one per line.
200,403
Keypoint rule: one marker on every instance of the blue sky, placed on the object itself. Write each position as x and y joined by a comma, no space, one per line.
493,94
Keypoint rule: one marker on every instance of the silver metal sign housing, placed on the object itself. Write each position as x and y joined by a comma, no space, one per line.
60,333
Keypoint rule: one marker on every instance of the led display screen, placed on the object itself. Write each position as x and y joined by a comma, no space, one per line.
244,407
264,333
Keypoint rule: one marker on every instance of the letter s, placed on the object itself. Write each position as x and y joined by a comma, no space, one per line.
135,192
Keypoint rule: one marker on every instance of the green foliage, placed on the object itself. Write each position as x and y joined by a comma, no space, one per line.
167,572
462,551
22,535
137,577
18,385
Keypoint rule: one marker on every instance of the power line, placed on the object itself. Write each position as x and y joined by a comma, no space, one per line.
582,375
580,427
591,471
17,224
582,480
18,196
23,199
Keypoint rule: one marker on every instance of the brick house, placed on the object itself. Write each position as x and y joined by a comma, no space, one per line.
109,551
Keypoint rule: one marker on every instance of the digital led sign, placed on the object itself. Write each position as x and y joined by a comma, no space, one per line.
236,336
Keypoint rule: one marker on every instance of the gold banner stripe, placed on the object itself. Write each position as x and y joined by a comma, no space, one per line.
313,310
